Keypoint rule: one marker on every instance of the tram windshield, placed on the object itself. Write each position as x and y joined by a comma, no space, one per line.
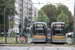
39,32
59,30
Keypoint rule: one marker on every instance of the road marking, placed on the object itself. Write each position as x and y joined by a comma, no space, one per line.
43,47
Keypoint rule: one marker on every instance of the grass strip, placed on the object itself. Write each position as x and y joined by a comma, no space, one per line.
15,44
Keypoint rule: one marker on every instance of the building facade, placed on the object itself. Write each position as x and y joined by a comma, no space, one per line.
32,13
35,14
18,5
29,11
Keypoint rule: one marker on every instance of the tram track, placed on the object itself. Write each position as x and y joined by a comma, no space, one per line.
48,44
30,45
70,47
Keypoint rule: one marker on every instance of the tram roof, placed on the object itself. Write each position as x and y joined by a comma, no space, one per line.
39,22
57,22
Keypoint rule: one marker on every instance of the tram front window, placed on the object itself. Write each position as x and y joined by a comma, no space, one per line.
39,32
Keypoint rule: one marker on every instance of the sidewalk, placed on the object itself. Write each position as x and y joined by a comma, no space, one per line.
2,44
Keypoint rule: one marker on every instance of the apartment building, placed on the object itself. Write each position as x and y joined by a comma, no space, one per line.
35,14
28,11
18,5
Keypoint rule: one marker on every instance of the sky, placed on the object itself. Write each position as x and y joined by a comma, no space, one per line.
65,2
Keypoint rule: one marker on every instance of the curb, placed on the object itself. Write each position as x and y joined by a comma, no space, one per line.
2,44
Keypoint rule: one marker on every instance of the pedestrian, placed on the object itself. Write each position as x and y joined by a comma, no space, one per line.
20,34
26,37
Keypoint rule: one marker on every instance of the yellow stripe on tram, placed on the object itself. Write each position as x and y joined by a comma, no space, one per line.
58,25
39,36
39,25
58,37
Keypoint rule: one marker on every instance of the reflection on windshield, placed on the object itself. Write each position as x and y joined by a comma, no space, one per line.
59,32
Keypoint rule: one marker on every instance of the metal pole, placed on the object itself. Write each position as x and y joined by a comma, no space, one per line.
6,34
9,30
4,21
40,17
62,16
22,21
31,20
31,13
74,22
35,16
4,26
64,13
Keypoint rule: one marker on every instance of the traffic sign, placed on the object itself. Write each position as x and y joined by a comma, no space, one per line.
9,31
74,24
31,25
21,39
10,17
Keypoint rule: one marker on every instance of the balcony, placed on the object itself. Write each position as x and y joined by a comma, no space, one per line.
20,6
29,8
29,19
30,13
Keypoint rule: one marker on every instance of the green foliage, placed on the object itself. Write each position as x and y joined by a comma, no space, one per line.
50,11
9,10
42,17
61,7
14,33
12,23
61,18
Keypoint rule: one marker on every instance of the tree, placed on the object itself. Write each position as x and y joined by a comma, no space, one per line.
42,17
10,10
61,7
61,18
50,11
12,23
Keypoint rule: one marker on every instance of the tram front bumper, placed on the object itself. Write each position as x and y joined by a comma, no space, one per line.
39,40
58,40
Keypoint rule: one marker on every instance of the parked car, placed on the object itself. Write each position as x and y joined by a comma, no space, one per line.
69,34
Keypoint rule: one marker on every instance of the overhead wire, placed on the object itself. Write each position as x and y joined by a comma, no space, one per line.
61,2
52,3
